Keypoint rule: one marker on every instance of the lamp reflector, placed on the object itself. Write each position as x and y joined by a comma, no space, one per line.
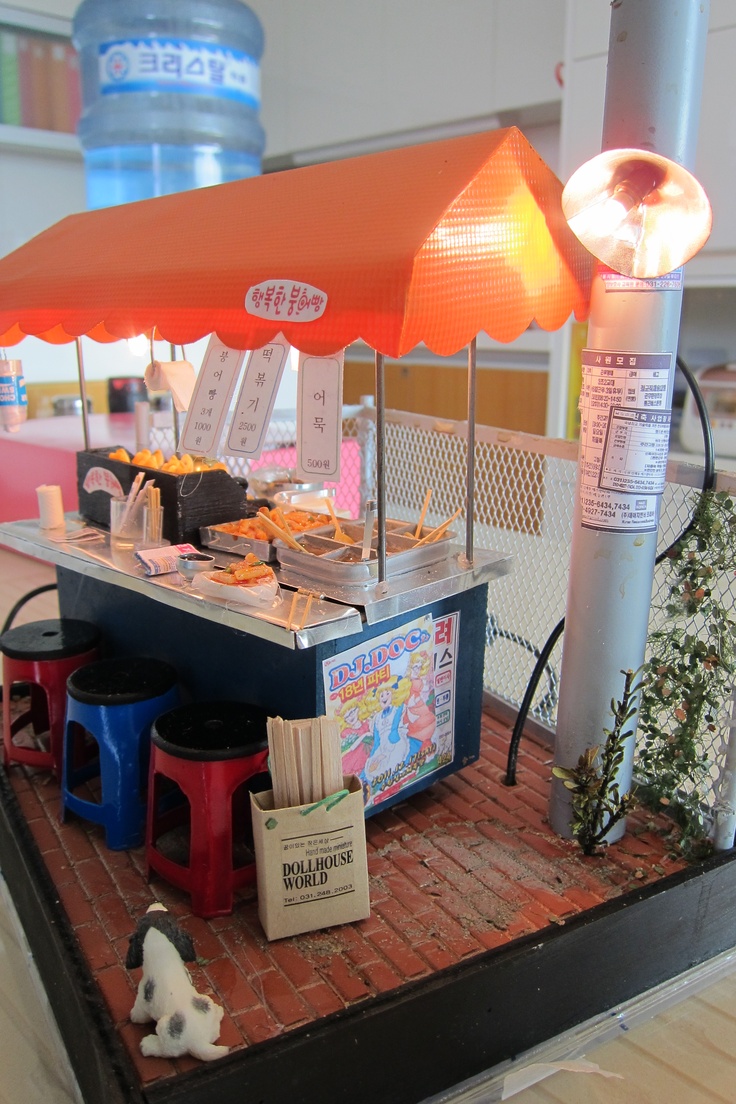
637,212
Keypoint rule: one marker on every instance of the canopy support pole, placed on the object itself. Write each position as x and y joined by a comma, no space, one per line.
83,393
174,411
380,465
470,477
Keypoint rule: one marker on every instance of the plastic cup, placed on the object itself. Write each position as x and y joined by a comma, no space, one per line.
153,523
126,525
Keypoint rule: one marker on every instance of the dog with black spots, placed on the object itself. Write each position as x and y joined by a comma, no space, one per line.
186,1021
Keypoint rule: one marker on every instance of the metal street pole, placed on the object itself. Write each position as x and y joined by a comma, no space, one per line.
653,87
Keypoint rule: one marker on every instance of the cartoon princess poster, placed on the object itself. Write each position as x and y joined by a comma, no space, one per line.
384,698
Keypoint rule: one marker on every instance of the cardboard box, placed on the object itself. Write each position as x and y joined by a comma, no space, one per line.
311,862
189,501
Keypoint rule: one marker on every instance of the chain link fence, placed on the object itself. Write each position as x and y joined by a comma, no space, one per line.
523,506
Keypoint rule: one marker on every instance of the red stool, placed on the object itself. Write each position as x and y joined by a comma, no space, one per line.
211,753
43,654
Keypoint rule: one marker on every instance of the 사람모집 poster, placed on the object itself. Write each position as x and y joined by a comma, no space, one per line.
394,698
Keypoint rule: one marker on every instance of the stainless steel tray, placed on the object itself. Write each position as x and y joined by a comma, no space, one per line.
213,537
326,560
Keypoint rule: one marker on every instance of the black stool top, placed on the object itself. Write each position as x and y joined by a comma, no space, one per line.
211,730
121,681
52,639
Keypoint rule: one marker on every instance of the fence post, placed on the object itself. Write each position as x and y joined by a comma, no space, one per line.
366,435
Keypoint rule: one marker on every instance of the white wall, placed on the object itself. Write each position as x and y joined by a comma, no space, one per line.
333,72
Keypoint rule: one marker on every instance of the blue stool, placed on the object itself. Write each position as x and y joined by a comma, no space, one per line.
115,701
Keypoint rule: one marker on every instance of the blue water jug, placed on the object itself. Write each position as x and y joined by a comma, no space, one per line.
170,95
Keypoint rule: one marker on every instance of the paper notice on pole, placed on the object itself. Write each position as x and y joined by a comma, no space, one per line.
615,281
254,405
211,399
635,451
624,438
319,417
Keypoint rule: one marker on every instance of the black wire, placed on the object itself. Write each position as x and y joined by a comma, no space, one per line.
494,632
709,479
709,461
526,701
22,601
20,689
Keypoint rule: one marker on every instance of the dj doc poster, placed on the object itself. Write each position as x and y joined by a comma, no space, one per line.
394,698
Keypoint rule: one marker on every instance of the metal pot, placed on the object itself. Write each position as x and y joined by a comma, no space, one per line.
269,482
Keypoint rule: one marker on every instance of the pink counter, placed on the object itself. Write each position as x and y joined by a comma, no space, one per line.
44,450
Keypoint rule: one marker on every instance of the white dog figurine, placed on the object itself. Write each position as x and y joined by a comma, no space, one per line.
186,1021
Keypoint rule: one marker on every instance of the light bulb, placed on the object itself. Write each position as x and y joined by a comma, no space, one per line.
638,212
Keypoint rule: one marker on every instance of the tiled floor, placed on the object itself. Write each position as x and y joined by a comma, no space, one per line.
458,869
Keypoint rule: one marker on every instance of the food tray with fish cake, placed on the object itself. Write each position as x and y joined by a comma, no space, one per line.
323,559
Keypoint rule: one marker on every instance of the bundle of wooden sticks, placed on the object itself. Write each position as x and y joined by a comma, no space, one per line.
305,760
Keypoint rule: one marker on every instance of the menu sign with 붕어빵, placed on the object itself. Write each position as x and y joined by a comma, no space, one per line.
211,399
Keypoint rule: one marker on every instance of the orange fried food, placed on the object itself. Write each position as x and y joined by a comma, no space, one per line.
298,521
301,520
246,527
224,577
248,572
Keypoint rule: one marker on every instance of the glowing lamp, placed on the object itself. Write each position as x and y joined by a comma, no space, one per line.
637,212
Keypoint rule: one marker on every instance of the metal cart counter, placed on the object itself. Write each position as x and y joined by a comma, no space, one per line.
419,637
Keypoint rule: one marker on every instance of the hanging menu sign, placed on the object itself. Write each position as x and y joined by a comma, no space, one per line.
211,399
319,417
254,406
624,438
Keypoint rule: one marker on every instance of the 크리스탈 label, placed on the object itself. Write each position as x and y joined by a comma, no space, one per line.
178,65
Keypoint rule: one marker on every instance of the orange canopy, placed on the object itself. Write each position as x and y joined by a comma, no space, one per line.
432,243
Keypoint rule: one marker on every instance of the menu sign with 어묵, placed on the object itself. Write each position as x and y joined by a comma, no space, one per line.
211,399
254,405
319,417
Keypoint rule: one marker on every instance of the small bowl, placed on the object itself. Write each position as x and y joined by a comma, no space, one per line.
189,564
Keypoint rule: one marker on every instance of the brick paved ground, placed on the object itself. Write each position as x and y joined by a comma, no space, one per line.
462,868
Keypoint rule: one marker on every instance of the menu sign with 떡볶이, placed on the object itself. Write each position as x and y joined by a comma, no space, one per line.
319,417
254,405
211,399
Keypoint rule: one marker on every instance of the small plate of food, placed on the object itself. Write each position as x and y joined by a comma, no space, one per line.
247,582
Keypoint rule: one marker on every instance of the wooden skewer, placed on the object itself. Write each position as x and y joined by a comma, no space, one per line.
440,530
300,593
282,534
423,514
302,735
305,612
292,607
331,756
275,729
316,754
282,521
132,497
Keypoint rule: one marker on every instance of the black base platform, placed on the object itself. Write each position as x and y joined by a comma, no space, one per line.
413,1043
